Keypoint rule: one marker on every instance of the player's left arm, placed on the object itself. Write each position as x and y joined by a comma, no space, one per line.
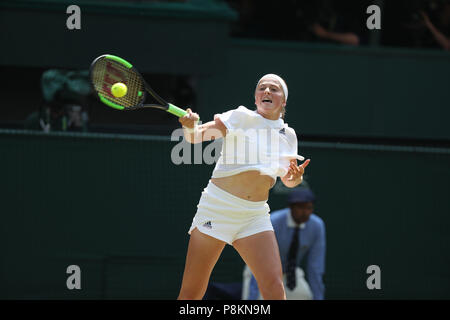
295,173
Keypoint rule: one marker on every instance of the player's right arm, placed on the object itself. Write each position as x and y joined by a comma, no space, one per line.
205,132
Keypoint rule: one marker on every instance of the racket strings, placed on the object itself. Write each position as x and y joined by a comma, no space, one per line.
106,72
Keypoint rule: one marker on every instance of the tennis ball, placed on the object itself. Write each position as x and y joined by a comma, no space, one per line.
119,89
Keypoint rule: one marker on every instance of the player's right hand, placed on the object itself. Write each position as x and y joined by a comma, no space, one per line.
190,119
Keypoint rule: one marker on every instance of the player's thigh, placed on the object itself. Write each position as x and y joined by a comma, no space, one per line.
260,252
203,253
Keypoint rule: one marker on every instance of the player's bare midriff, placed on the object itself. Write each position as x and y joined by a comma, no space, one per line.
248,185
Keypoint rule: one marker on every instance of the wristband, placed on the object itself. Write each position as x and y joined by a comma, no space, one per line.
190,130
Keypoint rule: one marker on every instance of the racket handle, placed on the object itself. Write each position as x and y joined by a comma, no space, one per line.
176,111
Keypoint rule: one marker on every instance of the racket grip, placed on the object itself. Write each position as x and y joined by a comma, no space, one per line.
176,111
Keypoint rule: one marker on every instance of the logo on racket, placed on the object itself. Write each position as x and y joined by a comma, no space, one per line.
112,76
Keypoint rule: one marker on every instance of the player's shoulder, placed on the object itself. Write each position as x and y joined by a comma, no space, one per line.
289,130
247,118
290,133
240,111
244,111
234,118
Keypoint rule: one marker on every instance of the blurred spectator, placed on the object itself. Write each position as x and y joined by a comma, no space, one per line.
254,16
38,120
416,23
77,118
409,23
339,21
309,21
349,38
444,17
65,94
301,239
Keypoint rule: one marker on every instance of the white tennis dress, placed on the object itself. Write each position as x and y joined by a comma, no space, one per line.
252,142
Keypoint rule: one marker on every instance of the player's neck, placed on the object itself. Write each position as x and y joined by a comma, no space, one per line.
269,115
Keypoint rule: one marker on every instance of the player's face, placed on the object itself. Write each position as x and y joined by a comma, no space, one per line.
301,211
269,97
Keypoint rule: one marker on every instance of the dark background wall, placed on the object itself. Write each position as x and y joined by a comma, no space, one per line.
334,90
115,204
344,91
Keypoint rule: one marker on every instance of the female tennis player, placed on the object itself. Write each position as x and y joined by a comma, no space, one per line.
233,207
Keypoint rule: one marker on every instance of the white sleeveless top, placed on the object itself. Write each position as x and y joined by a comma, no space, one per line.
253,142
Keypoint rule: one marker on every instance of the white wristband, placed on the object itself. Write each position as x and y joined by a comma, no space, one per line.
190,130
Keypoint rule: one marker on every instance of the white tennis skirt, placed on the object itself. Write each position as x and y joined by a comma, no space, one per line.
226,217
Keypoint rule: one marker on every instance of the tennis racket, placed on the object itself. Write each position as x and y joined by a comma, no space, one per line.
108,70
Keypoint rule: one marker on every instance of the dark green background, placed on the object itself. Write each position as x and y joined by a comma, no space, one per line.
116,206
333,90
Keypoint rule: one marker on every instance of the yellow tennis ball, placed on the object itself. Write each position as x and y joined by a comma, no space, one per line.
119,89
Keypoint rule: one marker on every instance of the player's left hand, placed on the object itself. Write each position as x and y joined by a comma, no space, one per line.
296,172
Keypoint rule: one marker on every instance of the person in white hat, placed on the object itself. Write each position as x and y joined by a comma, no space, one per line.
301,238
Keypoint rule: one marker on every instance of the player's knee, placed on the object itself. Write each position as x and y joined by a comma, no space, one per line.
272,287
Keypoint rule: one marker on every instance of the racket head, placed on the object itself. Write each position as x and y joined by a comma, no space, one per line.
107,70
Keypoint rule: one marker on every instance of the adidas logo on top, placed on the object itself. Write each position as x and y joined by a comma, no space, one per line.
208,225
